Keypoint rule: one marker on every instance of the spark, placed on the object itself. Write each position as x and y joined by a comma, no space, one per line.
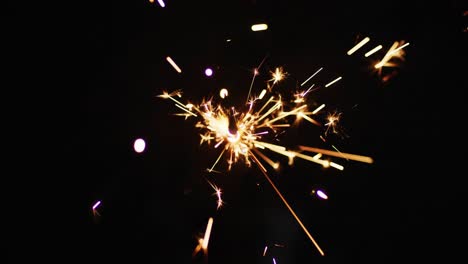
332,123
358,46
274,261
301,95
399,48
173,64
392,52
218,194
262,94
336,166
311,76
321,194
255,73
223,93
161,3
278,75
211,170
332,82
355,157
198,247
372,51
96,205
206,238
265,250
259,27
318,109
263,170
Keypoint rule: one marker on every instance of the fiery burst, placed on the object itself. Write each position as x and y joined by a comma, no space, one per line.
243,135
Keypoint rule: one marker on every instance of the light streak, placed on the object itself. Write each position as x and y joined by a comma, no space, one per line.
253,78
218,194
263,170
322,195
311,76
355,157
358,46
206,238
173,64
96,205
399,48
332,82
392,52
372,51
161,3
265,250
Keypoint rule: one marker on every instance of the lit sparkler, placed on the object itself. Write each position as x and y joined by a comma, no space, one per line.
243,135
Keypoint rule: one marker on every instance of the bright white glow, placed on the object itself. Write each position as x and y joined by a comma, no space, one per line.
161,3
208,72
96,205
334,81
139,145
223,93
372,51
322,195
262,94
358,46
259,27
206,238
173,64
311,76
399,48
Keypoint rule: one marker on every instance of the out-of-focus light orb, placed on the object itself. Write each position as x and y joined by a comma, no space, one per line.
139,145
259,27
208,72
223,93
320,194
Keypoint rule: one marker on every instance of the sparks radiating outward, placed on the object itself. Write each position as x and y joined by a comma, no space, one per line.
218,194
243,135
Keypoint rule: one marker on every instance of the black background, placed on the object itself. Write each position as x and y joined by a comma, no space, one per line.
88,78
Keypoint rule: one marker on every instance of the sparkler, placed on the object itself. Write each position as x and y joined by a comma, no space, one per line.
243,135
